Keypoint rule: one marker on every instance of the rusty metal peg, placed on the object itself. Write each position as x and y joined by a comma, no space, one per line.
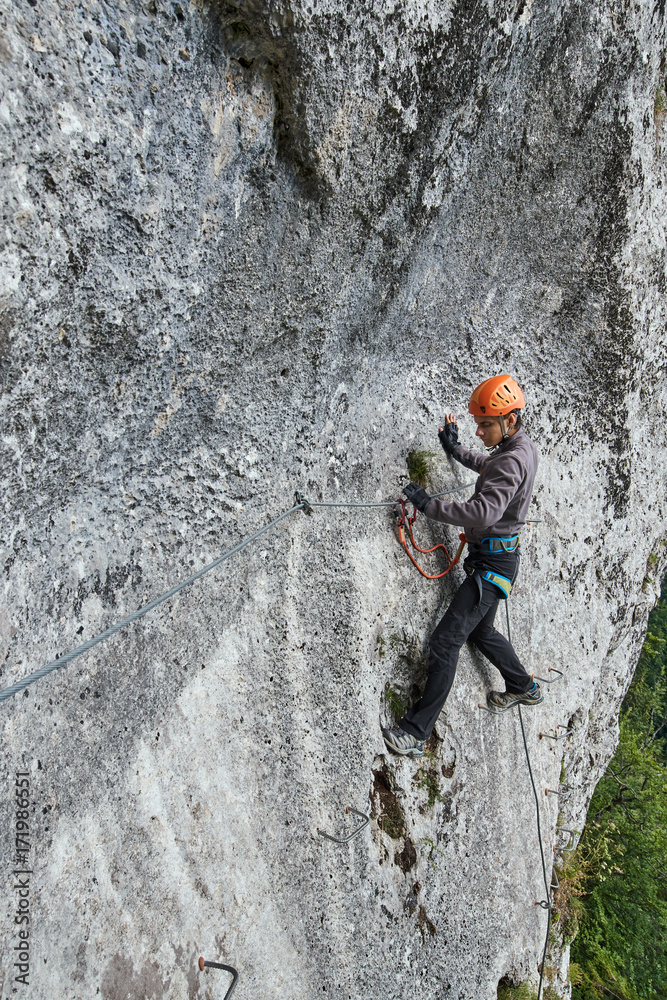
345,840
563,790
227,968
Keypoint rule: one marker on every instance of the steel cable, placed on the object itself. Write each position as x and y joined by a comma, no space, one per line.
135,615
61,661
544,867
547,905
140,612
389,503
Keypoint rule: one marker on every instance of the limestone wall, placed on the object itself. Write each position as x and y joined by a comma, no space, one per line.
249,248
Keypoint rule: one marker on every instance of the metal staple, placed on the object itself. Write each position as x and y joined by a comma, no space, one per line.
345,840
553,680
561,736
227,968
570,840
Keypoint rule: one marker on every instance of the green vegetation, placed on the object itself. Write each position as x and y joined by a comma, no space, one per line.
618,876
426,777
392,821
394,704
419,466
430,846
506,991
651,565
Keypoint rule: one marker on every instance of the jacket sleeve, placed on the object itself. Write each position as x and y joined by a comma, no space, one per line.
488,504
471,459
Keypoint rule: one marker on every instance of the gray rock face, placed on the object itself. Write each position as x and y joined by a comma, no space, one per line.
250,248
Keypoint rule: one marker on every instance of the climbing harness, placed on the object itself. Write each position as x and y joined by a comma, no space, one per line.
227,968
503,583
493,544
407,521
344,840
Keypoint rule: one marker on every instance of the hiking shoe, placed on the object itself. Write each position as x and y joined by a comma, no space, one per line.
404,743
505,699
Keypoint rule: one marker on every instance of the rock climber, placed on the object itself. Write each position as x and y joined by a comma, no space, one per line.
492,520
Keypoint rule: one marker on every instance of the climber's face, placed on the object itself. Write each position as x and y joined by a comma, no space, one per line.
489,430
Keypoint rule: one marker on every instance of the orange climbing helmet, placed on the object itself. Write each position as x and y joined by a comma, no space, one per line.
496,397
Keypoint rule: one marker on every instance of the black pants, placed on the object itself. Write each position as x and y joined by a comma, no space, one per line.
467,617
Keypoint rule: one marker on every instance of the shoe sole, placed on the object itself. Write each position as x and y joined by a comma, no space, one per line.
517,701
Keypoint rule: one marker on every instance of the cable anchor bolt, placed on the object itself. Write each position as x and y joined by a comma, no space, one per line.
302,502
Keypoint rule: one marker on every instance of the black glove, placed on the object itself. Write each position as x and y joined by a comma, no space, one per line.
417,496
449,437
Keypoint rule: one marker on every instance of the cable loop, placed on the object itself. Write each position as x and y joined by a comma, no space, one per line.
408,520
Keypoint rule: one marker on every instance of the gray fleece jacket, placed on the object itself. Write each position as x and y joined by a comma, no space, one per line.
499,505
